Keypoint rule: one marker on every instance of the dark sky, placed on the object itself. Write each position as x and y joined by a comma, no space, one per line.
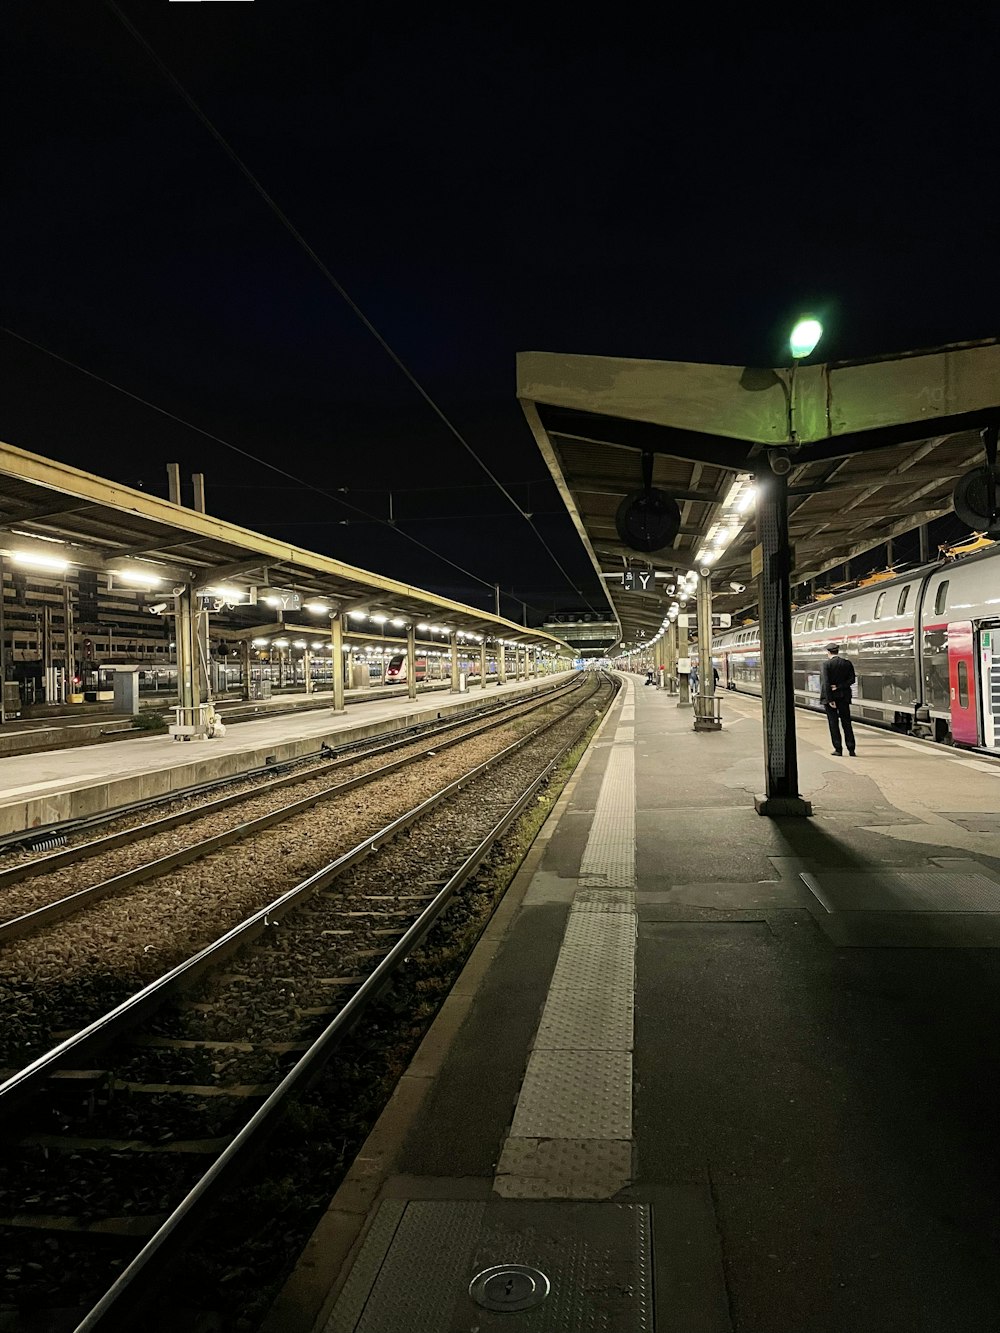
479,186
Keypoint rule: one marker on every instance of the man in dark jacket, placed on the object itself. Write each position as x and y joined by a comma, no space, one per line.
835,696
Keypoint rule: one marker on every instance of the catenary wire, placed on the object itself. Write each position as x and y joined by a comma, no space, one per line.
246,453
334,282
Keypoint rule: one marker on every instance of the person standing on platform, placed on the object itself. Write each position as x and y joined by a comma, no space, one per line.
835,695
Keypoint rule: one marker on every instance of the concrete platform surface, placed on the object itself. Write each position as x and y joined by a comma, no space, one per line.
706,1071
51,786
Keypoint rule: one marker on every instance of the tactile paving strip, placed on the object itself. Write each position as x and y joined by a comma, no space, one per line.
575,1095
904,891
598,1018
603,900
563,1168
609,857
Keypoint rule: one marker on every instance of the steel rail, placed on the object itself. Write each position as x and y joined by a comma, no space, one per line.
118,1304
95,1035
397,736
21,926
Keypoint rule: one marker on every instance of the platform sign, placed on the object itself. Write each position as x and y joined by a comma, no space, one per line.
639,578
757,561
684,666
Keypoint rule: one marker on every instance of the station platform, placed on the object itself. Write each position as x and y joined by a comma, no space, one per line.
706,1071
48,787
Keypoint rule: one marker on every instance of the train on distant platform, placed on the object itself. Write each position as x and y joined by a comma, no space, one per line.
395,671
925,647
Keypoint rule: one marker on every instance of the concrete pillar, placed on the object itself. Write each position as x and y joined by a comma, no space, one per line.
501,663
337,663
454,662
704,709
773,555
307,668
411,661
482,663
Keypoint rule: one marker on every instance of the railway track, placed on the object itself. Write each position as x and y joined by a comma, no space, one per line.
165,1095
443,734
144,906
28,846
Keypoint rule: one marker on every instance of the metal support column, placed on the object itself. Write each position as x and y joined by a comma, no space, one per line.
337,661
925,546
501,662
188,675
411,661
683,649
773,558
307,670
706,717
245,668
482,663
455,687
3,644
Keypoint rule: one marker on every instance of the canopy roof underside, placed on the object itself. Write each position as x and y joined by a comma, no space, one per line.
875,450
105,526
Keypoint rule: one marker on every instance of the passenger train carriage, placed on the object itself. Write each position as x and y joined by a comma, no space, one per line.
928,639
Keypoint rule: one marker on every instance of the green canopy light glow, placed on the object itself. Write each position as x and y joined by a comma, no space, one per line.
804,337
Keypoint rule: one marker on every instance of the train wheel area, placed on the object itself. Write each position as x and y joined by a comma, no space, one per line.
705,1069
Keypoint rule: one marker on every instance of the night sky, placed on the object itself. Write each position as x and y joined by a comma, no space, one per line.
479,186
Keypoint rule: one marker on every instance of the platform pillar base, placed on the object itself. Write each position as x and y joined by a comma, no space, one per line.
782,805
707,724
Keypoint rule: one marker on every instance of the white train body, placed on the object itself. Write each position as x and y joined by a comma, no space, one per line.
926,639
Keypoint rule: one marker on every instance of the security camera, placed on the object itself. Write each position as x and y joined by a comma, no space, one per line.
738,587
180,590
779,462
157,608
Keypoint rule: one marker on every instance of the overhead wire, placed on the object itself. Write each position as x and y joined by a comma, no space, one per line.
293,231
246,453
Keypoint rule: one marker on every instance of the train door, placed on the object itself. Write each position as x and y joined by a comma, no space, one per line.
962,683
989,683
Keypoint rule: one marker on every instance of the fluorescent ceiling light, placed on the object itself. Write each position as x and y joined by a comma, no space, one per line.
35,561
139,577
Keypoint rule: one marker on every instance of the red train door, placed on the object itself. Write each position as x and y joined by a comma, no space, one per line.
962,683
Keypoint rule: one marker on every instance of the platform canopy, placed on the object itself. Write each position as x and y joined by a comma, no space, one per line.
874,450
56,511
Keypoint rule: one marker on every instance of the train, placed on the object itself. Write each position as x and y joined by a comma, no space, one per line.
395,671
925,645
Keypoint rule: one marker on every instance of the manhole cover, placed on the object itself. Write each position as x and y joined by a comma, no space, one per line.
509,1287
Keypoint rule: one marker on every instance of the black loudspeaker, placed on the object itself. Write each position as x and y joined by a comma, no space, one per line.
647,520
972,503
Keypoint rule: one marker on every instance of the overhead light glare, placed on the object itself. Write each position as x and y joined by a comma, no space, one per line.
33,560
804,336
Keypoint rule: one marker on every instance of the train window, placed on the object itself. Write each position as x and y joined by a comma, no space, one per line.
854,618
963,685
878,606
942,597
798,624
821,618
901,607
810,618
836,616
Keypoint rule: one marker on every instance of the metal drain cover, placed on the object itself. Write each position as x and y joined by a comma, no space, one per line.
509,1287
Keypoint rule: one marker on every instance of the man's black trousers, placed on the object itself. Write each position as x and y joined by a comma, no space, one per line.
839,715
